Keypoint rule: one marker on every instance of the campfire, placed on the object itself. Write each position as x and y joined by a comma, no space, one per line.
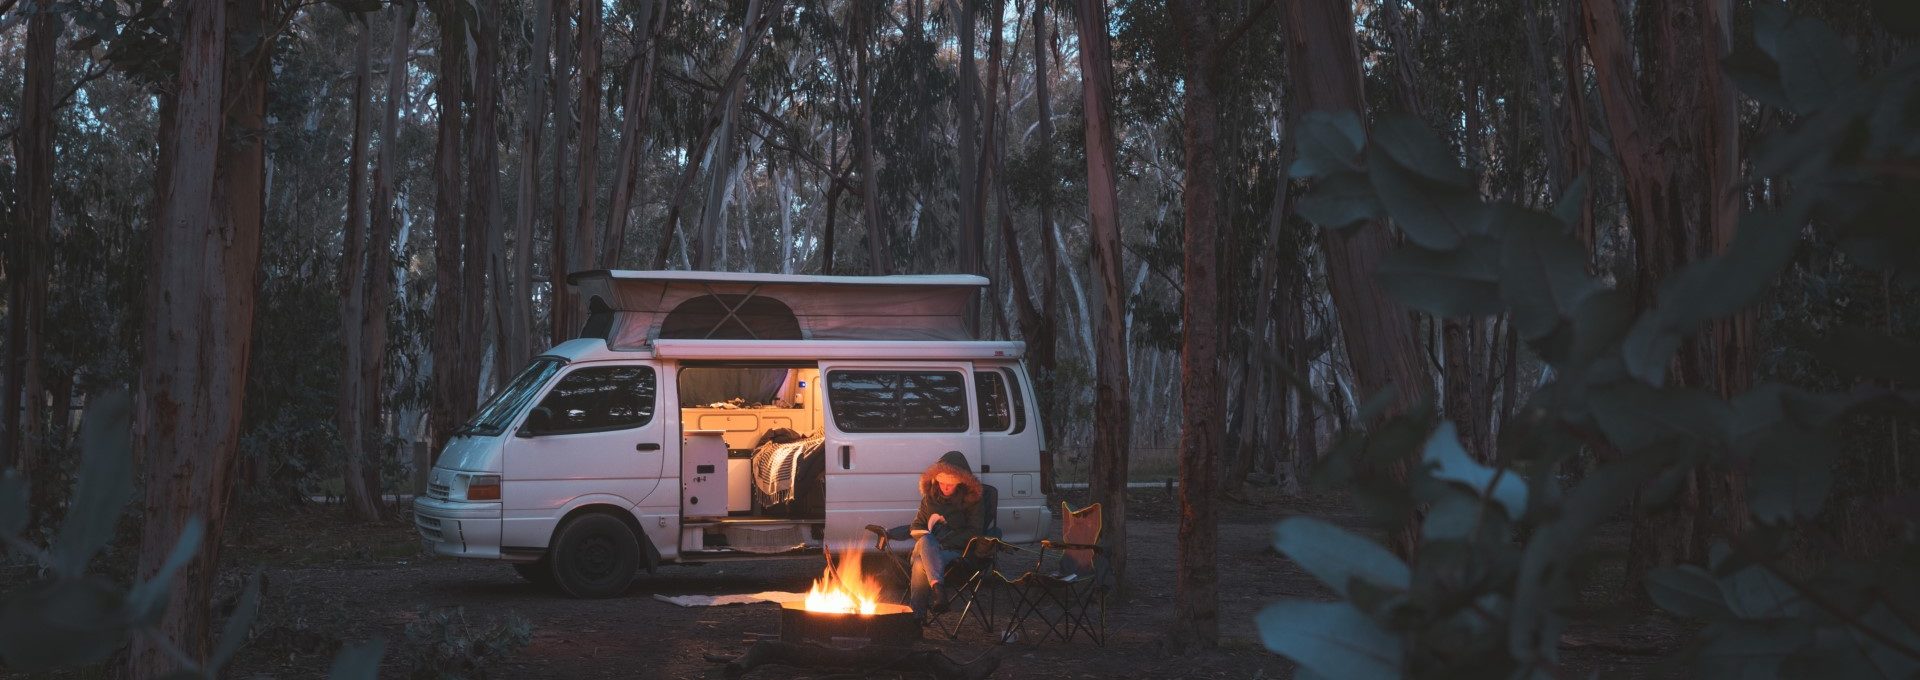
843,607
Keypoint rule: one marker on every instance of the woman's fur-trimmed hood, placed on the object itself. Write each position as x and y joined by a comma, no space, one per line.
953,463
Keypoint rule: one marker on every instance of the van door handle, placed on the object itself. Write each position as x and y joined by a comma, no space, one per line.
846,457
646,446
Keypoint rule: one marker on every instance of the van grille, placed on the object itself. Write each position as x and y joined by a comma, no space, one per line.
429,527
440,491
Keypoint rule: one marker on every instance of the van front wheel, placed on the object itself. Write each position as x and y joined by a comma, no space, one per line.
594,556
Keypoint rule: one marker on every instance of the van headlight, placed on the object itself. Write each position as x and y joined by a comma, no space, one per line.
481,487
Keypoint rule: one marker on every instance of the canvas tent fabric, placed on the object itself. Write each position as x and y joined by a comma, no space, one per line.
630,309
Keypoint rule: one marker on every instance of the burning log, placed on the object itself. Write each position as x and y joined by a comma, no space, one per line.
865,659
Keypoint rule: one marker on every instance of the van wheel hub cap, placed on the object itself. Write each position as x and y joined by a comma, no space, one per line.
597,557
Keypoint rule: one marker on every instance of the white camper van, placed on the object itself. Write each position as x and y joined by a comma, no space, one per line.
705,416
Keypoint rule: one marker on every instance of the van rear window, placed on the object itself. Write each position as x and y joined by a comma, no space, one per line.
995,412
898,401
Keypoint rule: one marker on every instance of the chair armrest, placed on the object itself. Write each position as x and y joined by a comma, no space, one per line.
1061,545
883,536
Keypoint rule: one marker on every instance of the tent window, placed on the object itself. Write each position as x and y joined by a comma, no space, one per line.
731,317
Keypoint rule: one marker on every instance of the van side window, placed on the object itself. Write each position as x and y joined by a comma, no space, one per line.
1019,402
898,401
992,398
601,398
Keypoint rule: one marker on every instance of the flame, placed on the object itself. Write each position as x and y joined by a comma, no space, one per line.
841,588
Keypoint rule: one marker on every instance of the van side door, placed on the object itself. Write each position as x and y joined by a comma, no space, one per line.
594,432
1010,443
886,423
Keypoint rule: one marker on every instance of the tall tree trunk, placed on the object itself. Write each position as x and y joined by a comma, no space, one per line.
879,257
21,410
1042,345
1306,439
380,278
1107,478
720,150
1324,67
560,305
633,132
1574,117
361,499
198,326
518,322
1678,155
451,383
1203,408
966,106
1259,353
583,245
484,232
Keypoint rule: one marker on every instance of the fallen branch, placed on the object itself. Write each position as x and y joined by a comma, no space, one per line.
904,659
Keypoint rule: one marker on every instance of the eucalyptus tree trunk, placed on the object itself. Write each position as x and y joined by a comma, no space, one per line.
21,414
517,323
381,271
452,387
1324,68
1203,410
362,499
1674,130
485,234
1261,355
720,150
966,105
633,132
1107,477
1042,342
197,330
560,305
583,244
879,261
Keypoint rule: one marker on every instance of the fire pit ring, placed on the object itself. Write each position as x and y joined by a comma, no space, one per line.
890,624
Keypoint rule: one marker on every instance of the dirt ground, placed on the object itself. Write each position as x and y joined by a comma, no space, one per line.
343,583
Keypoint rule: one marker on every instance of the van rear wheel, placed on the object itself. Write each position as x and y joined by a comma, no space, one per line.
594,556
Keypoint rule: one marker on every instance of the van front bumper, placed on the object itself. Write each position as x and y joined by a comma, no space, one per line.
458,528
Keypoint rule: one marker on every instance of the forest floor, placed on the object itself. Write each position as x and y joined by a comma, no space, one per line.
327,581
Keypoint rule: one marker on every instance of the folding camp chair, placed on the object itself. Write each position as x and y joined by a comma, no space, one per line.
1061,595
971,570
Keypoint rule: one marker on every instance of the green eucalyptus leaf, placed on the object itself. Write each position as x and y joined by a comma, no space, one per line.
1450,462
1452,516
1791,475
1635,416
1330,639
358,661
148,598
1687,590
1433,215
1757,75
1755,593
1340,200
1816,68
1338,557
1328,142
1567,210
60,623
105,484
1414,146
1462,282
1749,649
1648,348
1543,275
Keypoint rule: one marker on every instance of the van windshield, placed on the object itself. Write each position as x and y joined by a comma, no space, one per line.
494,417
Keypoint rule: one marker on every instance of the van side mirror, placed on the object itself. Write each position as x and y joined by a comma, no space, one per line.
539,421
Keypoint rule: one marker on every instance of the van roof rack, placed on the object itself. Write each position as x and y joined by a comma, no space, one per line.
631,309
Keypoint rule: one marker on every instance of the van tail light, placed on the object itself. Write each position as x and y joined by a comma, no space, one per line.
483,488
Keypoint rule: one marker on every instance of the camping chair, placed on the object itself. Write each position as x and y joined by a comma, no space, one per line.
970,570
1062,595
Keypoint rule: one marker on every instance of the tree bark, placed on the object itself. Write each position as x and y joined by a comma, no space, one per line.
198,326
636,106
560,305
484,232
1107,478
583,246
1196,592
21,410
451,385
380,278
1324,67
1042,345
1678,156
720,149
968,143
879,259
362,500
1258,357
517,322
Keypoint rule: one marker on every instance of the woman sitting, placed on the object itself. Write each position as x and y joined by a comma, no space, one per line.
949,516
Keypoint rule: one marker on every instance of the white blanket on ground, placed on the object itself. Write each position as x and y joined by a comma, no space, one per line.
724,600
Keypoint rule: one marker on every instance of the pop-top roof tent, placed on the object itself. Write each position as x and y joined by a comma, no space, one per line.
630,309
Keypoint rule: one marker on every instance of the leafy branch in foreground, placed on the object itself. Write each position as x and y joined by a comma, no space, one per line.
1503,547
72,618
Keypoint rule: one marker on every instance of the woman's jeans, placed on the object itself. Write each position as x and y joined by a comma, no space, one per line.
929,562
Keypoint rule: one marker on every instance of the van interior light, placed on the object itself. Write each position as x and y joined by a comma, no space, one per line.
483,488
